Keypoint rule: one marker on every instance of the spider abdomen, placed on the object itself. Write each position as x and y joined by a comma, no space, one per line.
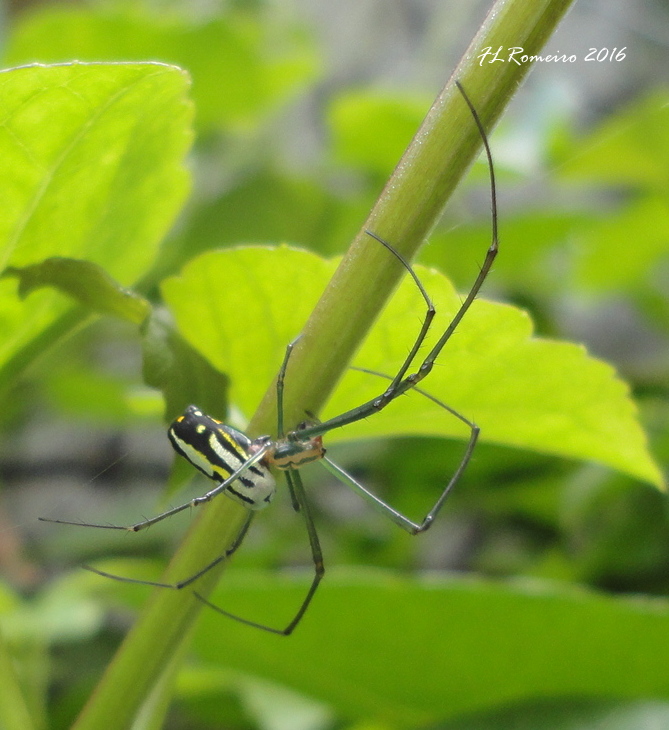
218,451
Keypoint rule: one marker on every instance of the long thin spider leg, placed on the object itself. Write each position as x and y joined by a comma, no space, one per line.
195,502
390,512
280,379
398,387
487,263
427,321
294,501
314,544
280,382
431,397
187,581
397,517
297,488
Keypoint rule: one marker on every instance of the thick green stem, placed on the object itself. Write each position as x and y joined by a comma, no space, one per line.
411,203
408,208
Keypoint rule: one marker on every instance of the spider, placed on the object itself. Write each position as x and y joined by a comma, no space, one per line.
242,468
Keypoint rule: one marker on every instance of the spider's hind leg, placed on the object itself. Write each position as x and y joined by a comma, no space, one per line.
192,578
297,489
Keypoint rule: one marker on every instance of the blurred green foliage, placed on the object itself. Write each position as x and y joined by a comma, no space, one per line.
93,169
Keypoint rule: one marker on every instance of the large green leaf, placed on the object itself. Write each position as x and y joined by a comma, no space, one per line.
241,307
630,148
239,70
417,650
92,168
92,162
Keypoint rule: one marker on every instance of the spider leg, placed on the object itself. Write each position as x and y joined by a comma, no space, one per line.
280,381
386,509
187,581
401,382
425,368
427,320
297,489
195,502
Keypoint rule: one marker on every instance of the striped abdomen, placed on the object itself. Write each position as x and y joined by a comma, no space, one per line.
218,451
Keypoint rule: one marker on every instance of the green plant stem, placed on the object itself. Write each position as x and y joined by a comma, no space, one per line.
410,204
406,211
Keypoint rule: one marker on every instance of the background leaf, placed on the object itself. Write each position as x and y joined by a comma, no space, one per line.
521,390
462,644
104,184
238,71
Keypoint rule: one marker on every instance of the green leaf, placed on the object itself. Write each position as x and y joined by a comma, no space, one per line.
183,376
240,307
92,162
570,713
621,249
416,651
357,117
82,280
92,168
238,72
631,147
84,393
14,710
